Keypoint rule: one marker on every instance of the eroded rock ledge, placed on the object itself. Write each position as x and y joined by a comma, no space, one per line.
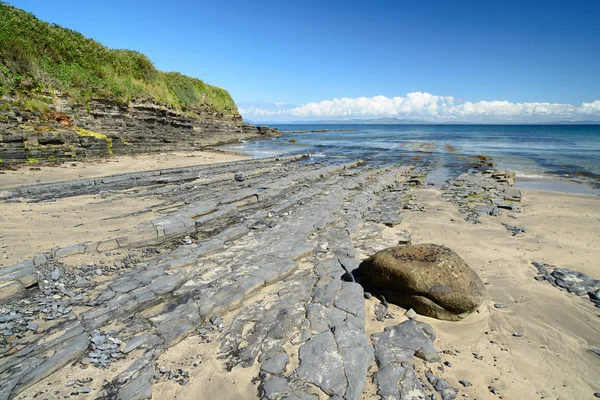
290,237
103,127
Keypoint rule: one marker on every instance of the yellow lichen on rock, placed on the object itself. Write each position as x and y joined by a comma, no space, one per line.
97,135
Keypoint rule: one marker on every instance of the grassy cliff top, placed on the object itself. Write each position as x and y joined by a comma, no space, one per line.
36,56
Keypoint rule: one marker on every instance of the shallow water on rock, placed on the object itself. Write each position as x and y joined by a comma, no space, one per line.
567,151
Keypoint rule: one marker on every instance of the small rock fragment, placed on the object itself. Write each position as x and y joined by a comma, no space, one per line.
239,176
494,389
410,314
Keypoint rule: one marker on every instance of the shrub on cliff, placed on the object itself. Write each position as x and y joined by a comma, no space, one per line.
38,56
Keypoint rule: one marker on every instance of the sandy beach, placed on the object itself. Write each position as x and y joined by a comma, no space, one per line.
558,328
111,166
389,201
519,342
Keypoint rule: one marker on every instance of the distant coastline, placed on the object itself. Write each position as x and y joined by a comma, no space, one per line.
399,121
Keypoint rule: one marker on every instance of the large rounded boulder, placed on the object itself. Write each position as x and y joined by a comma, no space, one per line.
431,279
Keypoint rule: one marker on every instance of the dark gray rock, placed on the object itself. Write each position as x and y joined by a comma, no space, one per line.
134,343
239,176
399,343
275,364
572,281
275,388
321,364
398,382
514,229
442,387
139,387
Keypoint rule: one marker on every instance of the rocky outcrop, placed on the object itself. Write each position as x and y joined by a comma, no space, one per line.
431,279
273,252
570,280
62,132
480,192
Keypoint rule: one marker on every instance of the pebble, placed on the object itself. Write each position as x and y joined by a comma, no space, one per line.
368,295
517,334
515,230
239,176
465,383
410,314
494,389
105,348
500,305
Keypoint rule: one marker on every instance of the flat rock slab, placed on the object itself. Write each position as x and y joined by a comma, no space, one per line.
286,246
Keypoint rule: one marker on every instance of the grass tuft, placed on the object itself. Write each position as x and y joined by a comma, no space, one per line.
36,105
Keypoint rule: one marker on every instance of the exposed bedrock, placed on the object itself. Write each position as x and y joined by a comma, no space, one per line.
276,253
479,192
570,280
431,279
104,127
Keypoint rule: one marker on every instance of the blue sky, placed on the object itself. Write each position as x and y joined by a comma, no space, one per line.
330,59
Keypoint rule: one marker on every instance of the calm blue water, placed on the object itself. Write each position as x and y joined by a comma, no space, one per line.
566,151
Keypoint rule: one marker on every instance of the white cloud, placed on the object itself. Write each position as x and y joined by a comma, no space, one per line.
426,106
590,108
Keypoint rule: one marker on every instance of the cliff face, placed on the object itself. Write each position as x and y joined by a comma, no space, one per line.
61,132
65,96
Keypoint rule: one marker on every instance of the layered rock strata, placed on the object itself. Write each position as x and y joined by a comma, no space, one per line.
277,253
103,128
483,192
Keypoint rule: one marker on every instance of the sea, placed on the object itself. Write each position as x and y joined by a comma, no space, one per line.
563,158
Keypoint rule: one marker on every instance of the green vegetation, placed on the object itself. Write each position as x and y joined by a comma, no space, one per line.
36,105
36,57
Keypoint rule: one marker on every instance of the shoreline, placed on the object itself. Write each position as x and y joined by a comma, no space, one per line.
540,181
557,184
201,271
